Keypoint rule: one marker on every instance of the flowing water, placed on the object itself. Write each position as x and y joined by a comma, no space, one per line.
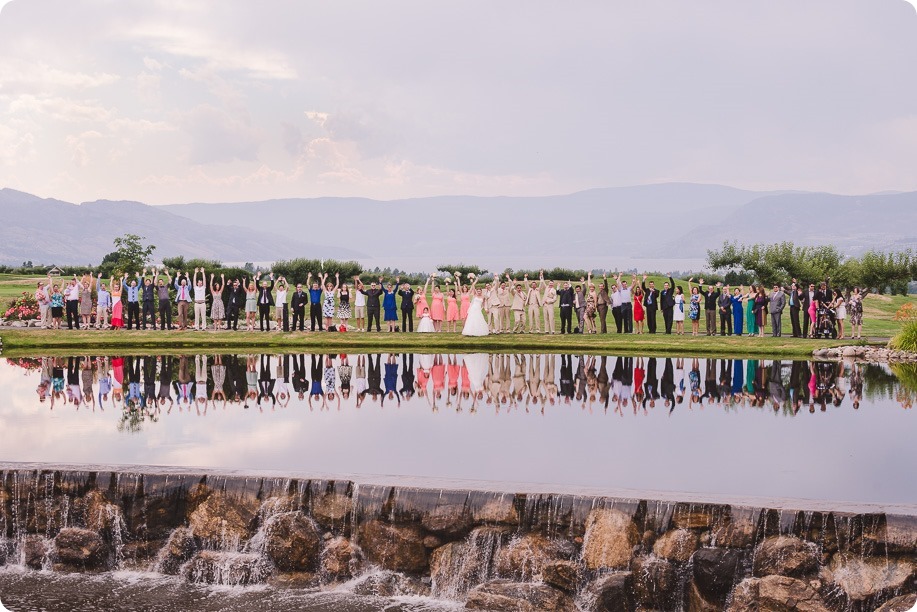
185,476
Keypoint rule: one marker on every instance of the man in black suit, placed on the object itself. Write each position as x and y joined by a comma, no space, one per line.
373,306
794,296
710,299
724,304
265,301
298,304
565,298
407,306
650,304
667,302
234,303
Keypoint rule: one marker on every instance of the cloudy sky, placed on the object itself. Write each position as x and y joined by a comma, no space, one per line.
169,101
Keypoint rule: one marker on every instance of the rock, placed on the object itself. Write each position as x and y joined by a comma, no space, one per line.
849,351
610,593
295,580
786,556
35,549
80,549
332,510
179,548
454,571
737,531
716,570
648,539
863,579
394,547
499,511
223,521
340,559
18,324
677,545
697,603
692,516
655,583
99,514
776,594
902,603
898,536
524,557
563,575
500,595
138,554
293,542
610,538
390,584
431,542
227,568
450,521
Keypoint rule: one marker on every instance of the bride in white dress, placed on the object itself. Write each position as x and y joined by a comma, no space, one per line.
475,324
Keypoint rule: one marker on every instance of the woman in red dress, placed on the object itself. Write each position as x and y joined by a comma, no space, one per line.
639,314
452,311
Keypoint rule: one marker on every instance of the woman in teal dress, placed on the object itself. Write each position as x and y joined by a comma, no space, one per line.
751,324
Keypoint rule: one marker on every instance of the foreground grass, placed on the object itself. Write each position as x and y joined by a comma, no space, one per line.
18,343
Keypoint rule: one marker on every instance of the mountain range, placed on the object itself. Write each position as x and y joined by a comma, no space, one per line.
670,221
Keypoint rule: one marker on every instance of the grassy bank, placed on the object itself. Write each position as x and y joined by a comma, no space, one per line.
17,343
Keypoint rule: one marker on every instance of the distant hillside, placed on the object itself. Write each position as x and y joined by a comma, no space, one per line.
52,231
593,224
854,224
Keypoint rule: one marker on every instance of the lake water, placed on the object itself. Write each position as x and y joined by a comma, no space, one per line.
751,431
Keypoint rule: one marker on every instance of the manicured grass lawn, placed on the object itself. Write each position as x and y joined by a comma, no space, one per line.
31,342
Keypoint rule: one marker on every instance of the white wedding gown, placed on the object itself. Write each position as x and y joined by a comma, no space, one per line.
475,324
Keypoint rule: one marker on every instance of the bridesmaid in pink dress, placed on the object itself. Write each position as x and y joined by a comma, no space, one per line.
420,301
452,311
437,308
465,297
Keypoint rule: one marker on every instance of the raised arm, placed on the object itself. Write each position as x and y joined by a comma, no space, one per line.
337,281
458,283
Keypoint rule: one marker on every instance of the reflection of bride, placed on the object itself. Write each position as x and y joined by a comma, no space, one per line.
475,324
477,365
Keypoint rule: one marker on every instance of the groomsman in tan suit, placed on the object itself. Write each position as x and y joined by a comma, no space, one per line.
518,307
547,301
506,304
494,300
533,306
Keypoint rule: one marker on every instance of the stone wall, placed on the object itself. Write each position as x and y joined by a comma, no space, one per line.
493,551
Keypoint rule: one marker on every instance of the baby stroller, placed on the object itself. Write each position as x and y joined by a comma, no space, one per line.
825,323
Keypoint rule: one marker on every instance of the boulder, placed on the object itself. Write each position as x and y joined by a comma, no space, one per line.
179,548
390,584
502,595
292,542
692,516
677,545
716,570
563,575
339,560
776,594
897,536
786,556
902,603
865,579
394,547
80,549
610,593
99,514
223,521
610,538
35,550
695,602
227,568
499,511
332,510
525,556
655,583
450,520
739,530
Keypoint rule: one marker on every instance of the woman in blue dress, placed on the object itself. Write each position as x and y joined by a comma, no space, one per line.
694,311
389,308
737,312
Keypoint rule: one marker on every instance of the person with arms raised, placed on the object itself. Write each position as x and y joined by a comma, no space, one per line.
650,304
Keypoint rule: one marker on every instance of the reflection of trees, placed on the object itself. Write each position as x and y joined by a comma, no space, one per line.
907,383
133,417
878,382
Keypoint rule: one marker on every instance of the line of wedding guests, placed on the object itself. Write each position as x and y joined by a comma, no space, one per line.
528,382
442,304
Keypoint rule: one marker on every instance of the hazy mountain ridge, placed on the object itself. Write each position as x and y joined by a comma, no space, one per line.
53,231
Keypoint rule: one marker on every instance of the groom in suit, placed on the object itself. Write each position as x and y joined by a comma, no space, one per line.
667,301
265,301
650,304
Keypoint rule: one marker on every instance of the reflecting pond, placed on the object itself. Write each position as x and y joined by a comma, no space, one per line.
720,429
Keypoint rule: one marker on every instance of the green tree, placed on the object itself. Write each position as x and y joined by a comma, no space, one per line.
130,255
